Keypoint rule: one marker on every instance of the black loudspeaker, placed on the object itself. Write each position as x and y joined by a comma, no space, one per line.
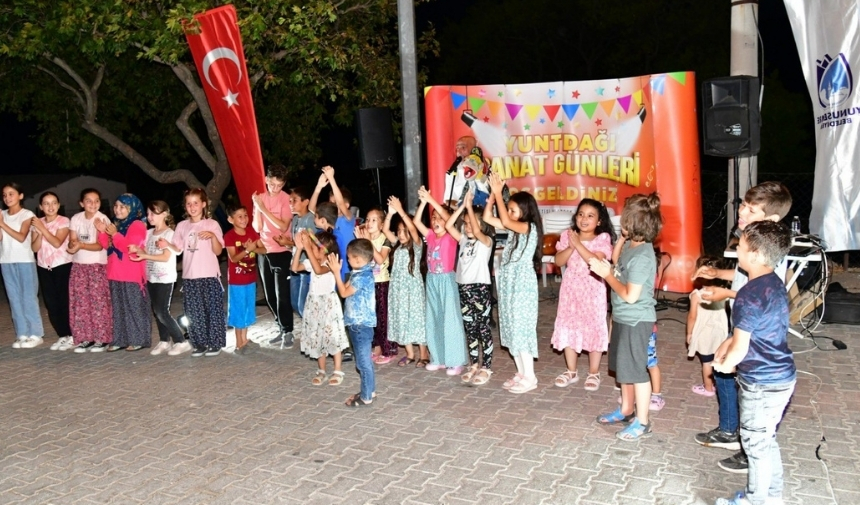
731,116
375,138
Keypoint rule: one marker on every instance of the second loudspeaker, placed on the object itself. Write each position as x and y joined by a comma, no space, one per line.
375,138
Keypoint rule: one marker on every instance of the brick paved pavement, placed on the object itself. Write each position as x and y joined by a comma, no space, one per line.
133,428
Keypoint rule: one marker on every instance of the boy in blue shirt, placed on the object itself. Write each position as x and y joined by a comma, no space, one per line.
344,226
759,349
359,313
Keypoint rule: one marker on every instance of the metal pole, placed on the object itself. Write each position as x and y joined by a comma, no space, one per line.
409,94
744,61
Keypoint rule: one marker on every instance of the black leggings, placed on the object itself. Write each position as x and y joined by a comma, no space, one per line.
160,295
275,274
55,293
475,307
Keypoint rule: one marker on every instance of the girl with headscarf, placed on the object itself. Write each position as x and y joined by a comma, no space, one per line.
132,328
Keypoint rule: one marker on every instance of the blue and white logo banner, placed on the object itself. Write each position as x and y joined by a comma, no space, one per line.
827,34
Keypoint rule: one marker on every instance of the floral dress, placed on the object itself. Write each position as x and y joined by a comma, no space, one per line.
323,331
518,294
580,322
406,298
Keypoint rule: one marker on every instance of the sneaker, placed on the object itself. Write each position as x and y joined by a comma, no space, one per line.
114,348
738,499
56,345
454,370
98,347
18,342
161,348
736,463
66,344
198,352
347,356
657,403
179,348
212,351
277,340
719,438
430,367
31,342
288,341
84,347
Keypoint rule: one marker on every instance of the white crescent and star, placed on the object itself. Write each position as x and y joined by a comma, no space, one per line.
215,55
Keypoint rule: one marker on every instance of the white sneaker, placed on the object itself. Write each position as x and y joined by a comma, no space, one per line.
180,348
56,345
18,342
160,348
66,343
31,342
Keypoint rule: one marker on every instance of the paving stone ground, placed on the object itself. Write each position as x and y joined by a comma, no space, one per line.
131,428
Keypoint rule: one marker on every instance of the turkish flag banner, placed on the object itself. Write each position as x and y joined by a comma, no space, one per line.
216,47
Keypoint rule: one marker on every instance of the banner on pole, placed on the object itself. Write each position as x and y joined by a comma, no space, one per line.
565,141
216,47
828,42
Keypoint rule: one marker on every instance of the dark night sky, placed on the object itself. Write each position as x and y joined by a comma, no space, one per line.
19,154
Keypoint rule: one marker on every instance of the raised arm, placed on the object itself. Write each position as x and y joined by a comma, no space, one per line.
338,196
321,183
451,223
473,220
433,203
407,221
496,185
419,213
488,216
386,225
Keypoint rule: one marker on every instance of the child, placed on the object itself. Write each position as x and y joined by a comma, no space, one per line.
344,226
323,329
707,325
18,266
243,248
406,294
132,327
473,280
443,321
303,219
384,351
633,313
90,310
359,313
768,201
765,365
160,278
272,217
198,238
517,278
580,324
54,266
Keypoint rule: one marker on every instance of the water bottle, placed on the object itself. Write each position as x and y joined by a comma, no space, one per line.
795,226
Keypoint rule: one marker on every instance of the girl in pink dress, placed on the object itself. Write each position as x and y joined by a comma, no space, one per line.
580,324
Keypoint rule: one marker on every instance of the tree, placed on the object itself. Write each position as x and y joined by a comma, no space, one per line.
105,77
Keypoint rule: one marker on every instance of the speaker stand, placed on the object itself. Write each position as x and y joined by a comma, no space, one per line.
378,186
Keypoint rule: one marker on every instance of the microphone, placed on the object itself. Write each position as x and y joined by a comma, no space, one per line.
453,169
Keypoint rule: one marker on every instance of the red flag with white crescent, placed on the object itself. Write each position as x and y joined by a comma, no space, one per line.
216,47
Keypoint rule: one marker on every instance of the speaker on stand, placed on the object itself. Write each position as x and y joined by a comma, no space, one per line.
375,142
731,120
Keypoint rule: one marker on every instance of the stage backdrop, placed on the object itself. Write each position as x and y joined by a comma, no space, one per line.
564,141
216,46
828,42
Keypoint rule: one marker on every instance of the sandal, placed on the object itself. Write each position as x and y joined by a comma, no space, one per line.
615,417
634,431
467,377
421,363
524,386
318,378
335,378
384,360
566,379
592,382
482,377
355,401
513,381
405,360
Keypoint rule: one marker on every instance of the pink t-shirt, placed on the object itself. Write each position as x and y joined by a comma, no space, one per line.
86,232
441,253
279,206
198,260
124,269
49,256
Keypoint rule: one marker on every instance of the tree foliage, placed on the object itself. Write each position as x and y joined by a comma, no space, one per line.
109,77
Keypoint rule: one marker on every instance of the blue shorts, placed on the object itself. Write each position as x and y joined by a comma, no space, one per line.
241,305
652,348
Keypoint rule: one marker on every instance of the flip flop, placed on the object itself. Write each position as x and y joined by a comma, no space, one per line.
405,360
421,363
